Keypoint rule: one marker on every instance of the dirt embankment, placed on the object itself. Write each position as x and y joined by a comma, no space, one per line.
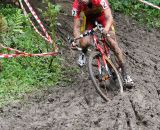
78,107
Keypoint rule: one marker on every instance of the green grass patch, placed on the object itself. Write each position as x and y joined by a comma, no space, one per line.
139,11
21,75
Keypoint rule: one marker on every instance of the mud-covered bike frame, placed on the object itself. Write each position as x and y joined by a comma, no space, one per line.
101,53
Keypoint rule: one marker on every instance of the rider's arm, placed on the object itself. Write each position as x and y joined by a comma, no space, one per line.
76,13
76,27
109,20
108,16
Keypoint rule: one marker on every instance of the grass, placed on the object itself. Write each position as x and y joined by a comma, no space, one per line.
22,75
146,15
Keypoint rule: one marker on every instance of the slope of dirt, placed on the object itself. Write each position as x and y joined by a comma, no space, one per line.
79,107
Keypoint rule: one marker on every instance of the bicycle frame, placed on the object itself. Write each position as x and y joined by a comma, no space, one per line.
101,68
104,51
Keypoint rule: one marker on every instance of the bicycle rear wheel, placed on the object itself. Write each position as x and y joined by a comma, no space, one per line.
104,83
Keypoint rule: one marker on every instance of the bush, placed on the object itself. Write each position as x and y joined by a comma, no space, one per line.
139,11
21,75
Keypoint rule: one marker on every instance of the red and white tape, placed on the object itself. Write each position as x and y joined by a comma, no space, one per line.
11,49
47,37
38,20
25,13
27,55
18,53
23,54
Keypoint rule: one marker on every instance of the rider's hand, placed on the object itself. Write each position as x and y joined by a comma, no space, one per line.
74,44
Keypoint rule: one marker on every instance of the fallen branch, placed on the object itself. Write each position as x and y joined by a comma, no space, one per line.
150,4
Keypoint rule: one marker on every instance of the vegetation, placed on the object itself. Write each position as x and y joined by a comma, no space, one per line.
51,15
21,75
139,11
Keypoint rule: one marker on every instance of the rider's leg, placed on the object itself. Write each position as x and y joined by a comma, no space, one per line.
116,49
121,59
112,39
84,43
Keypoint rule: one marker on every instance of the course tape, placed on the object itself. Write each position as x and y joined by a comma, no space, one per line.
23,54
18,53
27,55
25,13
47,36
11,49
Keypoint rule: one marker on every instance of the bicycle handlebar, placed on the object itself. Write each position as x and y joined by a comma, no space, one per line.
87,33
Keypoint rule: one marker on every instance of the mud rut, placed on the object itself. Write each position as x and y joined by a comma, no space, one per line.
78,106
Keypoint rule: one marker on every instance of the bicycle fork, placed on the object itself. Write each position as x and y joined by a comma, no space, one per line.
100,68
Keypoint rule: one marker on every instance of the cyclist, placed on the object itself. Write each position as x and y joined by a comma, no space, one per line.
96,10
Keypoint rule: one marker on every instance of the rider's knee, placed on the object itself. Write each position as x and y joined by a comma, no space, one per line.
85,42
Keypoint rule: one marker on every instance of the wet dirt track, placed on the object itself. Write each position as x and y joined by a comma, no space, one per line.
79,107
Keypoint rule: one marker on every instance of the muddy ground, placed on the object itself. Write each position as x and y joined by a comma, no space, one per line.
79,107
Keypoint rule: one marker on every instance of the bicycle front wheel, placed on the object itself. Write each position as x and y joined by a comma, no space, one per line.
106,84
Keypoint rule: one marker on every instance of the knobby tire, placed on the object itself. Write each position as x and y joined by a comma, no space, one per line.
93,78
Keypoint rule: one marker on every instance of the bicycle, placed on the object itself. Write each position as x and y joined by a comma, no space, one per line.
102,69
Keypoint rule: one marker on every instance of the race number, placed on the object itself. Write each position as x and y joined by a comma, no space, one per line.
74,12
104,4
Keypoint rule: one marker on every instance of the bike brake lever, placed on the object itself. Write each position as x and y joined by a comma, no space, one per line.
99,26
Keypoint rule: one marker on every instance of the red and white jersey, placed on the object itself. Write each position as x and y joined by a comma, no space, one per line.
96,7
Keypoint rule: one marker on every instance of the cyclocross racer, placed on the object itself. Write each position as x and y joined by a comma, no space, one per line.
97,10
